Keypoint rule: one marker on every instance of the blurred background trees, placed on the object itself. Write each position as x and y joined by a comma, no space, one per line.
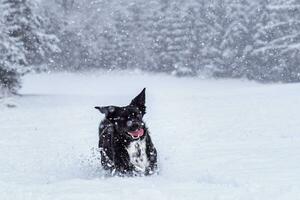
254,39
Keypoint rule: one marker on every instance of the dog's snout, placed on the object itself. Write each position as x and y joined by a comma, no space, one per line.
133,125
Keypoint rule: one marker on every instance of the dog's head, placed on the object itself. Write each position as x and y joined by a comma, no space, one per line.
127,120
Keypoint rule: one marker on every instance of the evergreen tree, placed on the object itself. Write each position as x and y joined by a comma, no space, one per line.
285,41
28,29
265,62
217,19
171,38
12,58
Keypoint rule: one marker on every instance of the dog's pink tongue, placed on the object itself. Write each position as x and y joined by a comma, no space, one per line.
138,133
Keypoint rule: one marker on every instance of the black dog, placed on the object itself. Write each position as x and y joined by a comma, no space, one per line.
124,141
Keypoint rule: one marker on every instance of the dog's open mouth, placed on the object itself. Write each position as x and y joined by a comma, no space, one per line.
136,134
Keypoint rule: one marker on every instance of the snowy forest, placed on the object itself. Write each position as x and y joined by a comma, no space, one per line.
254,39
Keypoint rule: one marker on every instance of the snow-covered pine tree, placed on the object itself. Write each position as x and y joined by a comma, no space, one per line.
170,36
285,41
108,55
28,28
139,40
75,31
265,61
197,34
205,37
235,39
12,58
245,20
217,19
126,39
152,35
123,45
238,30
9,74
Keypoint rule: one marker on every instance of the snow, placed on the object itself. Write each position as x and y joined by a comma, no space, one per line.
216,139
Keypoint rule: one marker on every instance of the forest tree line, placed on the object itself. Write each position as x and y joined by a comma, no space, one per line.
253,39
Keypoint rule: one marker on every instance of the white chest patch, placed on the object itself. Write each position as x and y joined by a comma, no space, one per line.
137,155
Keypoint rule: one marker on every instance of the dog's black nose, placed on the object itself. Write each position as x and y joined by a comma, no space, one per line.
135,126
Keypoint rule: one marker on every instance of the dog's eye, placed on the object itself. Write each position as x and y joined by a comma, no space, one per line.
129,123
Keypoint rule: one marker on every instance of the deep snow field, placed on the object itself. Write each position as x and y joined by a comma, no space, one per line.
217,140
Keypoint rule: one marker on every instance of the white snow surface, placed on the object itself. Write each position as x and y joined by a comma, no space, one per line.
216,139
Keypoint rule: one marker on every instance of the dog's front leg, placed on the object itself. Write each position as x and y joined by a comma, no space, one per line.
122,163
106,149
152,156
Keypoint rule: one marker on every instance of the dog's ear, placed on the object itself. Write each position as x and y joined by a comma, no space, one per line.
106,109
139,101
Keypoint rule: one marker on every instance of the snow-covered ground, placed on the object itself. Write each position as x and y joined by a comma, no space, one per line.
216,139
